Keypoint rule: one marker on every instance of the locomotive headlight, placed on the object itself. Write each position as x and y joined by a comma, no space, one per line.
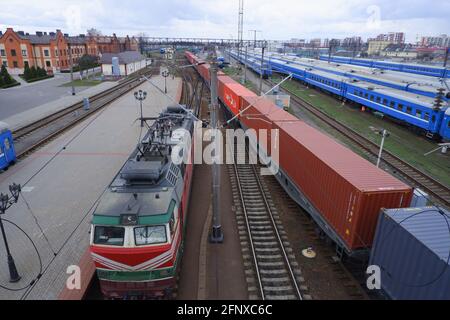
129,219
164,273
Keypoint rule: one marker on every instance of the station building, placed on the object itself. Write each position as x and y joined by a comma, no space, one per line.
126,63
54,50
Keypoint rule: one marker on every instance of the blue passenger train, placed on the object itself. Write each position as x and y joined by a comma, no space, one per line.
7,152
433,71
418,84
254,64
422,113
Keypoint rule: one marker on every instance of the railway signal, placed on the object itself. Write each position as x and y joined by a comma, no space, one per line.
5,203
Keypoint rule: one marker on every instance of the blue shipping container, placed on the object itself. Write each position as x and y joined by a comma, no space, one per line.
412,249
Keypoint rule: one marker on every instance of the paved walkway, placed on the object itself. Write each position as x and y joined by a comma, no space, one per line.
23,118
61,185
27,96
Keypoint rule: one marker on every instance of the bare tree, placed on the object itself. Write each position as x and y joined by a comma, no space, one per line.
142,36
92,32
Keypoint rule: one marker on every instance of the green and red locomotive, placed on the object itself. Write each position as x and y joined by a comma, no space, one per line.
138,226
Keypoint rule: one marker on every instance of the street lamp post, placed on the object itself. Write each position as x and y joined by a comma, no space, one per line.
384,133
141,96
5,203
165,74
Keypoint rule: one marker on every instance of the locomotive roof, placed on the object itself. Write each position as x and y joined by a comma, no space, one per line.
146,185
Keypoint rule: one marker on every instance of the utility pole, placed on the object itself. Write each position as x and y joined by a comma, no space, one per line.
240,26
255,32
71,70
447,51
216,234
245,64
262,66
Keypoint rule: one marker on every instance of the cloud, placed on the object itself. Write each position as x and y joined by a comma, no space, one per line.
282,19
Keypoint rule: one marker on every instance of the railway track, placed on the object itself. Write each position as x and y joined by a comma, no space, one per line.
415,177
35,134
272,271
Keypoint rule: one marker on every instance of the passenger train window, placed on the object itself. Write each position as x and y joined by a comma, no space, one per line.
378,99
418,114
409,110
448,124
109,236
392,104
426,116
385,102
400,107
150,235
433,118
371,98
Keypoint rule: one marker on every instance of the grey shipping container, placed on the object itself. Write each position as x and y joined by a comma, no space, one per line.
412,249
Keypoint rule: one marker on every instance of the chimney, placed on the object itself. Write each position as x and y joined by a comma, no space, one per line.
52,34
45,33
66,35
39,33
21,33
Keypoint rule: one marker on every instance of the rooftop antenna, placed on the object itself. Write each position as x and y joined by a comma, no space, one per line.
240,26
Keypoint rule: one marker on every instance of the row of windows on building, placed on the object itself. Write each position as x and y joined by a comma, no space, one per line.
60,52
48,64
395,105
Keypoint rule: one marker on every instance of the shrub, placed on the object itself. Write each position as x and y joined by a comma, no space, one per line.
27,72
33,72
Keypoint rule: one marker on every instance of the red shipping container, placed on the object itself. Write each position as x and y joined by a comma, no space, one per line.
231,93
346,189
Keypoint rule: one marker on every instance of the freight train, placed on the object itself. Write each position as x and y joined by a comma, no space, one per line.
439,72
138,226
341,191
422,113
348,197
7,151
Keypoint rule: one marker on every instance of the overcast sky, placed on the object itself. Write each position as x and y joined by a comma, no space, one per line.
278,19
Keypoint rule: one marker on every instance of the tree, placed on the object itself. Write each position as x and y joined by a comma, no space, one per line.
27,72
142,36
1,81
6,78
33,72
87,62
41,72
92,32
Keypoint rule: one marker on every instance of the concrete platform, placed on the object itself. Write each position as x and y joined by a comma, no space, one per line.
61,184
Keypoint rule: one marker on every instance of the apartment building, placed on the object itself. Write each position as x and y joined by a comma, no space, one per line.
54,50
